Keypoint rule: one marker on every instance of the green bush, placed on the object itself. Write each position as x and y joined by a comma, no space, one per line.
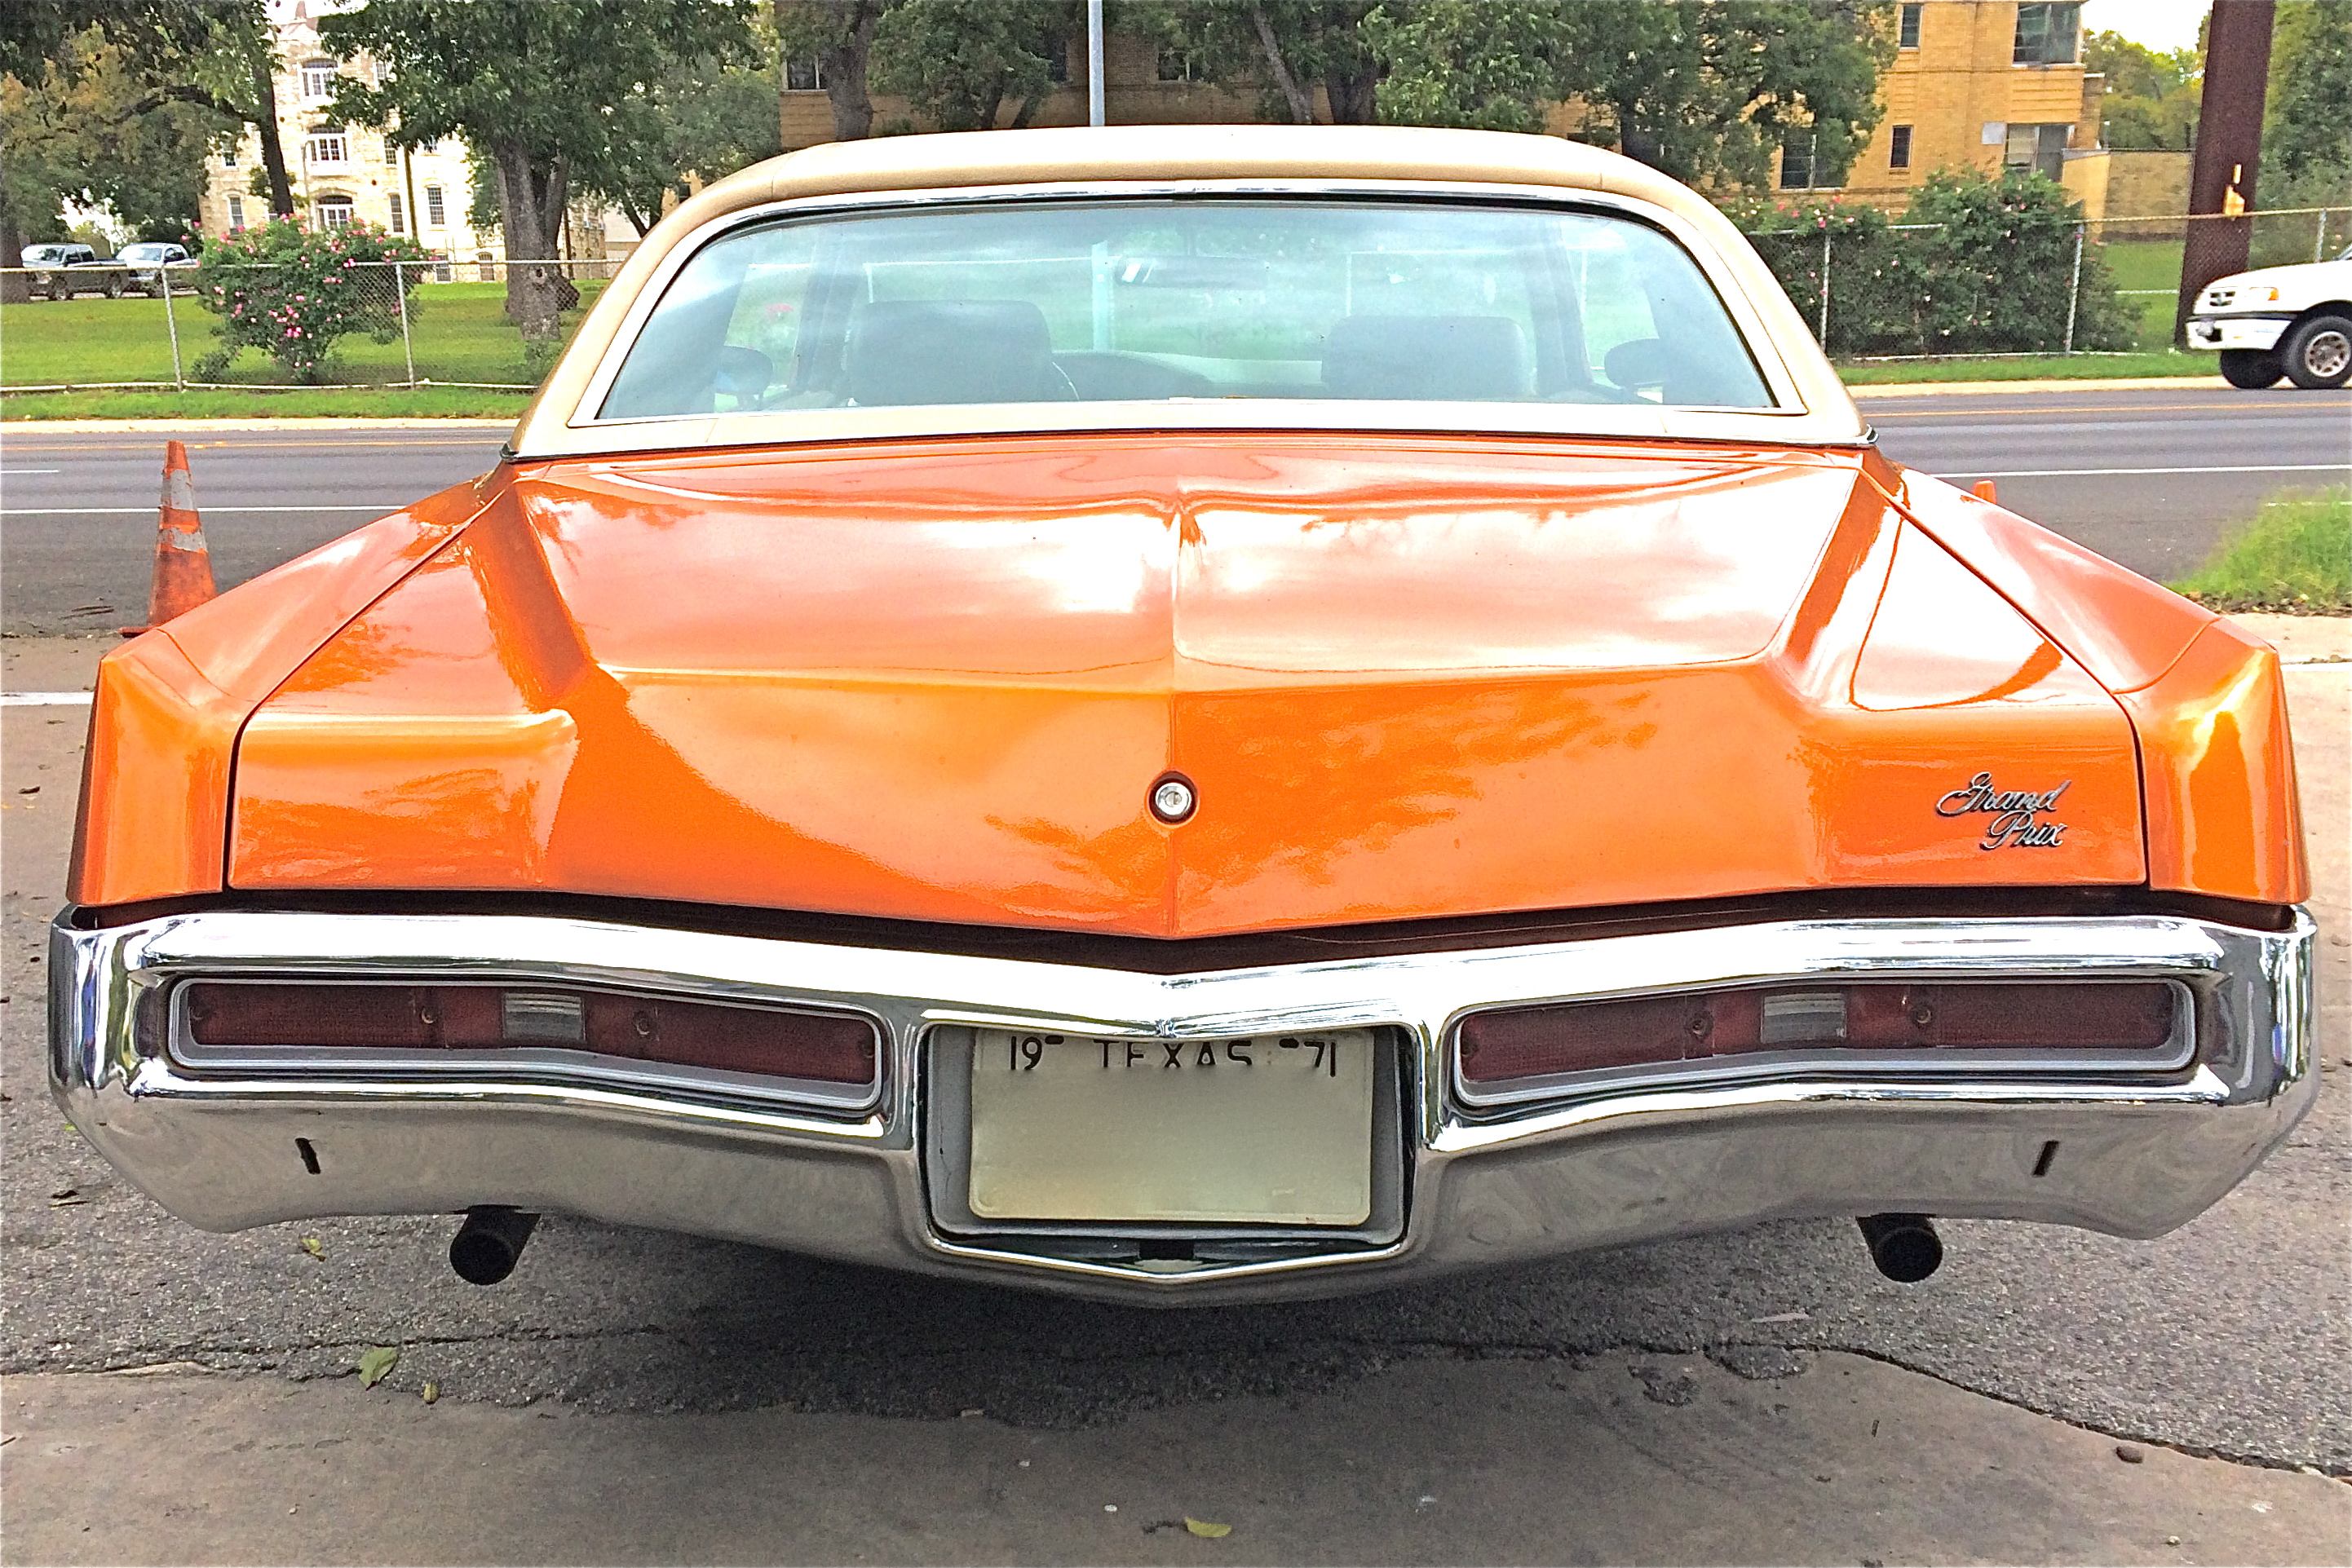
1992,274
291,293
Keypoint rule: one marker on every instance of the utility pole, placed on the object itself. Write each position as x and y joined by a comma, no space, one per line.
2229,151
1094,62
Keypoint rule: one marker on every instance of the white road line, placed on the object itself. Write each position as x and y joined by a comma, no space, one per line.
378,508
44,699
2101,473
7,472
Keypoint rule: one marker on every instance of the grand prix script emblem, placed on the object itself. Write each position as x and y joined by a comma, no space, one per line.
2020,817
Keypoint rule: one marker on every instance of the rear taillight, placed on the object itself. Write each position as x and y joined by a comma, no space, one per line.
829,1047
1877,1016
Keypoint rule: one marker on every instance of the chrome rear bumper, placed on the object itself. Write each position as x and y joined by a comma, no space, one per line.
2131,1152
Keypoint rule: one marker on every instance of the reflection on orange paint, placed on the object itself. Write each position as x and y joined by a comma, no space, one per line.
2222,816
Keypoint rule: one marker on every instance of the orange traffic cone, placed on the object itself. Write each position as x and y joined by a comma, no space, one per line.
1986,490
184,567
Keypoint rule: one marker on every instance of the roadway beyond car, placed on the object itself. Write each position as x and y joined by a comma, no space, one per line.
1187,715
2291,321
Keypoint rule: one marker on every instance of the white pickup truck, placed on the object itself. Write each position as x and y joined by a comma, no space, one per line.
2291,321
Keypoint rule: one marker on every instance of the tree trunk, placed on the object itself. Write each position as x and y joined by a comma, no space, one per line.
531,196
1354,95
13,290
1302,107
273,150
842,66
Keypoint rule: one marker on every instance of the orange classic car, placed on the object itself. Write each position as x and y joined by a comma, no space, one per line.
1186,715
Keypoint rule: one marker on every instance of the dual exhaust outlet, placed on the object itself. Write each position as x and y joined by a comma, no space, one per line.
486,1246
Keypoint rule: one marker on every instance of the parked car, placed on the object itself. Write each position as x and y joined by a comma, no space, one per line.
148,263
1186,714
2290,321
62,271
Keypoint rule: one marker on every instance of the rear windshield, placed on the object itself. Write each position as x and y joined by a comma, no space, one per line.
1023,302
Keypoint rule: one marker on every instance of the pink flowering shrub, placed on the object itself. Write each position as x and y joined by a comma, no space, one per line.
290,293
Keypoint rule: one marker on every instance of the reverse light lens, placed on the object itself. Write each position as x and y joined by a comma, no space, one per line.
1582,1037
826,1048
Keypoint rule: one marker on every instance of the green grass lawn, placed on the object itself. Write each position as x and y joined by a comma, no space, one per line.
459,333
2147,264
2035,366
2294,555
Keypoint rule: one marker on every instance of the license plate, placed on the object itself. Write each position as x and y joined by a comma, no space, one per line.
1273,1129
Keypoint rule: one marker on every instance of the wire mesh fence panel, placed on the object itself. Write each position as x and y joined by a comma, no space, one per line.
382,324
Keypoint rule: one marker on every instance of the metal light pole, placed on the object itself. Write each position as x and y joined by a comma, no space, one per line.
1094,62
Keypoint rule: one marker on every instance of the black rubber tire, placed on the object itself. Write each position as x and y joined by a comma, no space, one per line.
2251,368
2318,352
115,288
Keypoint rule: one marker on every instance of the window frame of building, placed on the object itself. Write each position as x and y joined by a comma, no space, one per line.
803,73
327,210
2039,154
326,148
1898,147
235,213
1809,161
436,209
2049,33
318,79
1907,25
398,209
1186,68
228,156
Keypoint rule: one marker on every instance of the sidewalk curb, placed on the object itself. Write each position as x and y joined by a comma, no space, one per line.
2045,385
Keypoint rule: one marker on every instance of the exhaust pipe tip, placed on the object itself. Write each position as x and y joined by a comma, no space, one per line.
490,1242
1904,1246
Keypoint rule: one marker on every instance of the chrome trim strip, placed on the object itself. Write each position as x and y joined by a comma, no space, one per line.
2146,1151
1795,422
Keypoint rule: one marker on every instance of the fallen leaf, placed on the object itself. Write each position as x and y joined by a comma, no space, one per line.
1205,1531
66,1192
431,1392
375,1361
31,790
311,1245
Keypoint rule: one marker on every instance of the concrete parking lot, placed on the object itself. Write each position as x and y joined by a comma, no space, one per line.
2050,1395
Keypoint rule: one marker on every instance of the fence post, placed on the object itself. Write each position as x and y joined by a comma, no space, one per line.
1825,289
172,325
400,293
2073,291
2319,240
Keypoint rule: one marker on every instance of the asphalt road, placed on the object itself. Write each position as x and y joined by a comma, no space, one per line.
2148,478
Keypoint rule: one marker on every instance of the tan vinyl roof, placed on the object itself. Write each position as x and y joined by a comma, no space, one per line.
1096,155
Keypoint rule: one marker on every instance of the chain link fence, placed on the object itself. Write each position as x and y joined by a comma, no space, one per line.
1871,290
104,326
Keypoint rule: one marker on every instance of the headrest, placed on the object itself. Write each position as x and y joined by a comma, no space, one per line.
951,351
1441,357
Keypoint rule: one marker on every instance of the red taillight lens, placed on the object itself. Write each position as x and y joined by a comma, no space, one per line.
825,1047
1580,1037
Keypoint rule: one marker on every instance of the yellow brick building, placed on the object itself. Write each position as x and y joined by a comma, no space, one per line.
1975,84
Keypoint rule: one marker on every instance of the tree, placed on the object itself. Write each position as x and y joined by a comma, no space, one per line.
221,57
2308,117
89,131
958,63
706,119
549,92
1288,47
1468,62
2151,97
839,35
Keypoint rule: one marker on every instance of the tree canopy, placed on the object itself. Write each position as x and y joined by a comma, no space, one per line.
958,63
2307,116
551,94
2151,97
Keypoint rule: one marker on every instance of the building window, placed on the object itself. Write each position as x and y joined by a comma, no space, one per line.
228,158
804,74
318,80
1898,150
1908,37
436,213
2036,149
2047,34
1801,168
237,214
1178,65
1057,61
399,224
328,149
333,212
